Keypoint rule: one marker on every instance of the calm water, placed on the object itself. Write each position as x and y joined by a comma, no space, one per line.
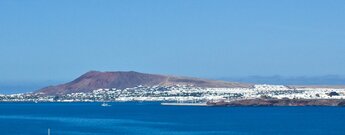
153,119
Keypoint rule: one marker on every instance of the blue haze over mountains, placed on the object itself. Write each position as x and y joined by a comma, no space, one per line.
300,80
22,87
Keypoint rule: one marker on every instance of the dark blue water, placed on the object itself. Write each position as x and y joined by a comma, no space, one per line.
153,119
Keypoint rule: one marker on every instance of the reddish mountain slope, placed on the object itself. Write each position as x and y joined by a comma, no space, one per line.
94,80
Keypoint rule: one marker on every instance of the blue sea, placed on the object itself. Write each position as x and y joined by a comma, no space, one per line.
132,118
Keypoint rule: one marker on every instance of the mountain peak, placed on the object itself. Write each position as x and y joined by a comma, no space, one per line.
127,79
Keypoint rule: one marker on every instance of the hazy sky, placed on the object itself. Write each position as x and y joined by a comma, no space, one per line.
60,40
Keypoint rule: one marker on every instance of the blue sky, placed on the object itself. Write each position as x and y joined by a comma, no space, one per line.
60,40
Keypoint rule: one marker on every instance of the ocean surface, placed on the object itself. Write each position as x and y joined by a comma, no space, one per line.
152,119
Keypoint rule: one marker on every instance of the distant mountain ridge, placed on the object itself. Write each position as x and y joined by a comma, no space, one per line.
297,80
122,79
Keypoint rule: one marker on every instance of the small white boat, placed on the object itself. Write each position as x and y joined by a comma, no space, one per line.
105,104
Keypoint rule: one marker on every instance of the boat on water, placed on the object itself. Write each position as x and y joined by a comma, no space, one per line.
105,104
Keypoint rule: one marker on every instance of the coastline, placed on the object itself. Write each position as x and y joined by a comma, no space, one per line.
235,103
184,104
281,102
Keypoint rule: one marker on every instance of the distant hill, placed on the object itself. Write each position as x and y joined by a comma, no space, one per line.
94,80
13,87
299,80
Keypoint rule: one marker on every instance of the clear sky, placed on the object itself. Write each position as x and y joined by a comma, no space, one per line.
44,40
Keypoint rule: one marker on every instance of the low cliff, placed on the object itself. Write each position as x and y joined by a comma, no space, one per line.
281,102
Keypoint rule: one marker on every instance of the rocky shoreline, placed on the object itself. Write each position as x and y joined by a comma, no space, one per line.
280,102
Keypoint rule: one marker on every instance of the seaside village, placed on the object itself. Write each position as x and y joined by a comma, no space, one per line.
183,93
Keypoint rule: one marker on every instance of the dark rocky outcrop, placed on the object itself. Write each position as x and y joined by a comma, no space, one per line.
281,102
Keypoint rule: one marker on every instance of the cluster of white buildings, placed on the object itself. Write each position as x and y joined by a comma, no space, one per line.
193,94
281,91
186,93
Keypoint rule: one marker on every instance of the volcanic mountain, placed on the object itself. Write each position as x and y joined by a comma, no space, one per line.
94,80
